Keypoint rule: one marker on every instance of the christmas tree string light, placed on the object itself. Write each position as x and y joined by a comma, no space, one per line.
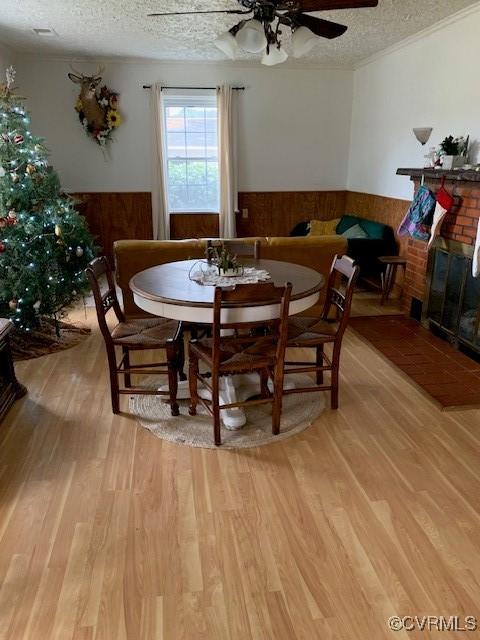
45,244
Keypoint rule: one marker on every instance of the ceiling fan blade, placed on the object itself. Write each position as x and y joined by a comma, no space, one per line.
308,6
322,28
238,12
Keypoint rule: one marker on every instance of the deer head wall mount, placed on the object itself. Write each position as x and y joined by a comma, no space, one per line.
97,108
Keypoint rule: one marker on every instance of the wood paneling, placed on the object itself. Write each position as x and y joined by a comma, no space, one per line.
193,225
116,216
108,532
275,213
120,216
390,211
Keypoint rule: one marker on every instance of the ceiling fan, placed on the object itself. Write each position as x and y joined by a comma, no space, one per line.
262,30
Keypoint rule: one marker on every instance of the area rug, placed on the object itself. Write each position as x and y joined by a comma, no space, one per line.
44,340
298,413
450,377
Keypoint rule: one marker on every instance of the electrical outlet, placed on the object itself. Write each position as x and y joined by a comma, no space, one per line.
244,214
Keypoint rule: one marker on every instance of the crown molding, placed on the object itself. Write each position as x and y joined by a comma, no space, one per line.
235,64
420,35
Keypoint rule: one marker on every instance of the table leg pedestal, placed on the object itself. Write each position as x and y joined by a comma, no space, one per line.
232,389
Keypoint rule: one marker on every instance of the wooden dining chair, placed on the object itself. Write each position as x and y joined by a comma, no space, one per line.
227,355
315,333
237,248
135,335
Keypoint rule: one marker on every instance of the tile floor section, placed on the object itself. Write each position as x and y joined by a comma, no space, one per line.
449,376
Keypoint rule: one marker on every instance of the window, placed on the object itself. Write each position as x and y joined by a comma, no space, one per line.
191,153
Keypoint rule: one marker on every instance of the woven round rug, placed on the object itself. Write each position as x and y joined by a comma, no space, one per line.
299,411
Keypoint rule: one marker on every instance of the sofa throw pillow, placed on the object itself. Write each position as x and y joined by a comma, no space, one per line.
323,227
300,229
355,232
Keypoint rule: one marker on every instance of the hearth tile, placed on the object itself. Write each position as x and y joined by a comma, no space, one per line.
447,375
440,377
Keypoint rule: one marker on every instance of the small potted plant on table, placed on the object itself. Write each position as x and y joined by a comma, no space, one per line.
226,263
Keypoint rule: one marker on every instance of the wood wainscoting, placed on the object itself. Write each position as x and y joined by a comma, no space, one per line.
115,216
119,216
275,213
390,211
193,225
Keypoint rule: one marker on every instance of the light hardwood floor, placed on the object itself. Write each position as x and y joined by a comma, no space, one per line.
108,533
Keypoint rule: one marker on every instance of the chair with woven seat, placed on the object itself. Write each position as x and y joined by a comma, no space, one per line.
135,335
227,355
315,333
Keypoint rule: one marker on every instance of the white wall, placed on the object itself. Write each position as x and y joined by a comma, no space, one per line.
433,82
294,126
6,59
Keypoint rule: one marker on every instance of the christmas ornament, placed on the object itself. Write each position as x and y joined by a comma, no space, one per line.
12,214
30,169
2,172
37,304
58,230
2,247
13,304
18,139
79,252
3,223
15,178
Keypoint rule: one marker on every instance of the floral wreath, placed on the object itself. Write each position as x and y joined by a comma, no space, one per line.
107,100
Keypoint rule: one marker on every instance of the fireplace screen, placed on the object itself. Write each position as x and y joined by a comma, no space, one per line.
454,301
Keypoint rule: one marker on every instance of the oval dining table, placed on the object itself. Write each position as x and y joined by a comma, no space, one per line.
168,291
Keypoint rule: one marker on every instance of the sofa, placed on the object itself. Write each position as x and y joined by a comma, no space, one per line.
132,256
380,241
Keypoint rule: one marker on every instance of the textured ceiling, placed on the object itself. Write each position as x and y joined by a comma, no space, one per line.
98,28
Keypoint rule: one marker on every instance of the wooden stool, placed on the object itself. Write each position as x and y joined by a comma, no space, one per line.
388,278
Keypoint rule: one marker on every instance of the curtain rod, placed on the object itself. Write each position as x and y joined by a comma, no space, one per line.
149,86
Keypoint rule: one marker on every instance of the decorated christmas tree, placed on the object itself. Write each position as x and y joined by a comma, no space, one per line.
44,243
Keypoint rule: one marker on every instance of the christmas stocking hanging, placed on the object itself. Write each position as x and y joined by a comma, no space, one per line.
444,203
476,255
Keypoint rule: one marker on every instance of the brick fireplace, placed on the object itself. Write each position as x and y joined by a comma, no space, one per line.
457,235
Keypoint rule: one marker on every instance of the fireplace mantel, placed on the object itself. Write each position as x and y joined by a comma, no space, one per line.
462,175
459,227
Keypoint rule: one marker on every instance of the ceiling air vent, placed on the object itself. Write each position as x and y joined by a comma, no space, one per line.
45,33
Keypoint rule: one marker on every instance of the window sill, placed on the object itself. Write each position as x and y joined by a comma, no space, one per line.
193,213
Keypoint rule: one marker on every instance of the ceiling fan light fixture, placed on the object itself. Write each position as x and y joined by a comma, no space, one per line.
251,36
275,56
303,41
227,43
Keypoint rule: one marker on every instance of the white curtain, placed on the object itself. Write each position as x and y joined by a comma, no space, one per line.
227,155
160,216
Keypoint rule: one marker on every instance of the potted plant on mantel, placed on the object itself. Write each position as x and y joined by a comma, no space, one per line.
453,152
